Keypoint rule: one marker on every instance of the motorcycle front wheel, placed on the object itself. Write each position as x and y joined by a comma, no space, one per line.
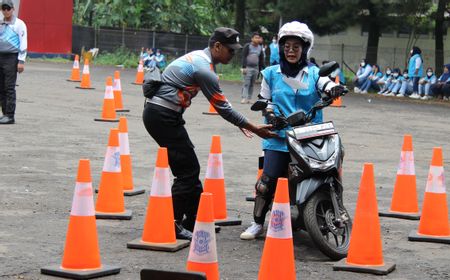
331,238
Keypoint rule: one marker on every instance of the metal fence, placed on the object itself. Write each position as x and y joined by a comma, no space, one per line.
174,45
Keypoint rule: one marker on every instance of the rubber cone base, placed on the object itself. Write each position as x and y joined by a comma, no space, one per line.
414,236
342,265
76,81
208,113
250,198
134,191
122,110
161,274
56,270
228,222
399,215
139,244
85,87
114,216
106,120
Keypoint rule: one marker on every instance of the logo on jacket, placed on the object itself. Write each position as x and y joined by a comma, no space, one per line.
277,220
201,242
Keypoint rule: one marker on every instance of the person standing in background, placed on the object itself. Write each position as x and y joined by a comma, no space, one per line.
13,51
252,63
415,70
274,51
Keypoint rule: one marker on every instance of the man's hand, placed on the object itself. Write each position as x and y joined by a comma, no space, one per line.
20,68
416,72
262,130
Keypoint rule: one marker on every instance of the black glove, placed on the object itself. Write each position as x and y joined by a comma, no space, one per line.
336,91
277,123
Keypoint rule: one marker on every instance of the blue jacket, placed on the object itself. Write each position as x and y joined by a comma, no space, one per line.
412,66
290,100
363,72
274,54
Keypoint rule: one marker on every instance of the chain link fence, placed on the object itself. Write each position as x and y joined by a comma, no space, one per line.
174,45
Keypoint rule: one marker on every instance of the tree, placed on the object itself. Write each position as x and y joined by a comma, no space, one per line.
439,35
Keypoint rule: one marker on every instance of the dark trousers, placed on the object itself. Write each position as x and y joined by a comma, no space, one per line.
416,84
275,166
8,77
167,128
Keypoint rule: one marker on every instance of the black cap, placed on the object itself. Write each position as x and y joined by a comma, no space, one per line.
8,3
226,36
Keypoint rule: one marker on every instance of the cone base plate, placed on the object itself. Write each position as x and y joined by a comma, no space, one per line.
75,81
106,120
399,215
138,244
85,87
228,222
122,110
134,191
342,106
378,270
137,84
249,198
414,236
56,270
114,216
208,113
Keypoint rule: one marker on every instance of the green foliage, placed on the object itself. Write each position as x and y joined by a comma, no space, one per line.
229,72
120,56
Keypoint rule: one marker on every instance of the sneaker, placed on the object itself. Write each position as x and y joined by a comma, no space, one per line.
445,98
253,231
243,101
400,95
356,90
364,92
390,94
414,96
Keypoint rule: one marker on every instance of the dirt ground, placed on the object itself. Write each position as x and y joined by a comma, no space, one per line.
55,128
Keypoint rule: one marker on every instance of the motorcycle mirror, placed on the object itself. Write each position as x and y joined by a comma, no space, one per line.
259,105
328,68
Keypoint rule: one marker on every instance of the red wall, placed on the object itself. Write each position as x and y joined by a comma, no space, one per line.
49,24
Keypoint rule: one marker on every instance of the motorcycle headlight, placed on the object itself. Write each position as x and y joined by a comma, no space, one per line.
322,164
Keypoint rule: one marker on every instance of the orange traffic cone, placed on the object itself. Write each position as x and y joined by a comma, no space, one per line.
75,77
108,112
434,224
404,203
211,111
215,184
117,89
365,253
338,101
140,74
86,76
279,247
260,171
81,259
159,227
125,160
203,252
110,201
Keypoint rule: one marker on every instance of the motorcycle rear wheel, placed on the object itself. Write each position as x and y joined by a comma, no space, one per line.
319,219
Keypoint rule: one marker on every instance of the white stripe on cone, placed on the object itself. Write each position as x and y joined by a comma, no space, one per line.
140,67
215,167
124,144
406,165
161,183
109,92
436,179
117,85
76,64
203,245
280,221
112,160
83,200
86,69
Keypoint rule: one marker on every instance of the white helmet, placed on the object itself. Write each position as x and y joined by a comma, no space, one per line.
298,29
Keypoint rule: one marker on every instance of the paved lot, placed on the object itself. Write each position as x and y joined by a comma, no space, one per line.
55,128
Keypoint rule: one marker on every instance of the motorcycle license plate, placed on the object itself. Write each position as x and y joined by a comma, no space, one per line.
314,130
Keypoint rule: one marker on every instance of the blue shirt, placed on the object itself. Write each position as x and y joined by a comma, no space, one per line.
274,54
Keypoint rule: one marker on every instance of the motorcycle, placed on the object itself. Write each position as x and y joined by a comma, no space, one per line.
314,175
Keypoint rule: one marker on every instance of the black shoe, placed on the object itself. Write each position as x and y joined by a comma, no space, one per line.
6,120
182,233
